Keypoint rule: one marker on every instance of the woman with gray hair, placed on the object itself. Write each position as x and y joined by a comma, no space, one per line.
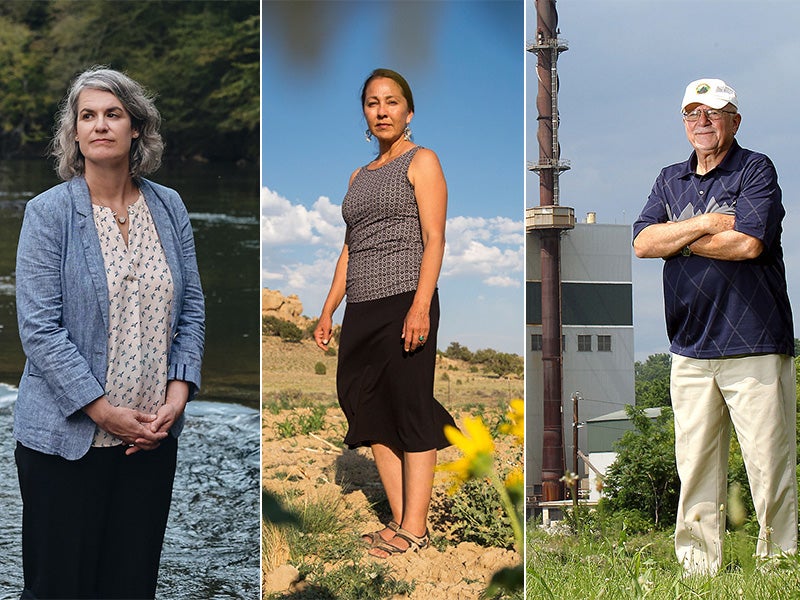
111,319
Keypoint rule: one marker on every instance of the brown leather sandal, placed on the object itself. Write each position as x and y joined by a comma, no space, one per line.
373,538
415,543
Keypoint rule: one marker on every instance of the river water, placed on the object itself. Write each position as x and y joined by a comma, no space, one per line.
223,205
211,548
212,543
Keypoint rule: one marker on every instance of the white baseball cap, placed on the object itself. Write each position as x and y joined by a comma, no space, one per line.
711,92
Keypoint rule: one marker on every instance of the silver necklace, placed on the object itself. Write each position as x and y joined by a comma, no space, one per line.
120,220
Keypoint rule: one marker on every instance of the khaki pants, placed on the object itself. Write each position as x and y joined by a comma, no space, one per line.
757,395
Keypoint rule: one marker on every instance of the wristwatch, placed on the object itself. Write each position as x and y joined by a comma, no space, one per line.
686,251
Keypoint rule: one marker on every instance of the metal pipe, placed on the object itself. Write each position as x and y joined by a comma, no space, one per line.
552,369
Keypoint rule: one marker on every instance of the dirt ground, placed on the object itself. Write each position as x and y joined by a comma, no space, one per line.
317,466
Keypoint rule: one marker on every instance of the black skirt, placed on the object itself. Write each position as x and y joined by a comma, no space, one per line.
387,393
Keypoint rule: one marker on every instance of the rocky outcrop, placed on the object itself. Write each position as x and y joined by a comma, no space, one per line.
286,308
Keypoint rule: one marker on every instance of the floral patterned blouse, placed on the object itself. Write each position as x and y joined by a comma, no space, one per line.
140,291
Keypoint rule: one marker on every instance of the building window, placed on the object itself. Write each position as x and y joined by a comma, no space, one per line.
604,343
537,345
584,343
536,342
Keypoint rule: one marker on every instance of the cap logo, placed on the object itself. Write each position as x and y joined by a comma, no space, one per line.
703,88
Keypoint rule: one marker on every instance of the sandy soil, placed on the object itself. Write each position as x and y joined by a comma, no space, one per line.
316,465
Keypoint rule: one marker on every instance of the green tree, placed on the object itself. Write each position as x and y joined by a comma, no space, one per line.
201,59
458,352
652,381
286,330
503,363
644,478
21,107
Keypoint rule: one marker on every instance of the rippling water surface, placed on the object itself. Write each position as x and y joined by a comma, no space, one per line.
211,550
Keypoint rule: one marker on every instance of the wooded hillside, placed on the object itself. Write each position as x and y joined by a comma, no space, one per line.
200,58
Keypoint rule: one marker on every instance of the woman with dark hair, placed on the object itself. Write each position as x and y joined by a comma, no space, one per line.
111,318
395,210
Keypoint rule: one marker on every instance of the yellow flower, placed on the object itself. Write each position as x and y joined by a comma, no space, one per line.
477,447
515,420
515,486
515,479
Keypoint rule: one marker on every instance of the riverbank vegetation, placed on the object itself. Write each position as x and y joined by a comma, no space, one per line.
200,58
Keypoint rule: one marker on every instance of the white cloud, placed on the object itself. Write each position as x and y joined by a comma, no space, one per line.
491,248
502,281
480,246
284,223
270,276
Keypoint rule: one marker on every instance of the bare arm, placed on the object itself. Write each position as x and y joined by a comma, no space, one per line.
425,174
324,329
662,240
728,245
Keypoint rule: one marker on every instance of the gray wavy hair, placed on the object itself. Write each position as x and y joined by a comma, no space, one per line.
146,150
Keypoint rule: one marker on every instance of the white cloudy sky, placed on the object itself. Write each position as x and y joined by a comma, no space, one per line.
482,264
469,109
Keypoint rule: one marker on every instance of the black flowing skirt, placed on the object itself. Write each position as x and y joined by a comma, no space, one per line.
387,393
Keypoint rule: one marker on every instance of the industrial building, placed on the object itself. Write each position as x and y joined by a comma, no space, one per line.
597,335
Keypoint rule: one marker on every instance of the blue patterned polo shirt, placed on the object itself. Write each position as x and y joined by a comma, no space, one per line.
718,308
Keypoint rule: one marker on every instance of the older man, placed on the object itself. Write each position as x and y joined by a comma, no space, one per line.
715,219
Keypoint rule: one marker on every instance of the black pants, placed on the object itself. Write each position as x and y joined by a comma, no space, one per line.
94,527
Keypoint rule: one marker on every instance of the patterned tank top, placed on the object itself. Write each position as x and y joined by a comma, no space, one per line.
383,231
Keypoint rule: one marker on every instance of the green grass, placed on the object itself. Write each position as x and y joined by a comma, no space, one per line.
292,399
328,557
600,563
301,420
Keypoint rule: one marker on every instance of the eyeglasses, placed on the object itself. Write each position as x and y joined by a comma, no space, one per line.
712,114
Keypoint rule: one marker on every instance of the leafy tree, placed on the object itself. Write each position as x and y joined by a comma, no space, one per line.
458,352
503,363
492,361
201,58
652,381
286,330
644,477
21,113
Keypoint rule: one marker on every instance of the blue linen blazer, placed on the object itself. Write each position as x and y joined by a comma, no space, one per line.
62,310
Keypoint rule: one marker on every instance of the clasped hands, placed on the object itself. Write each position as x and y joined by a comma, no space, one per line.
139,430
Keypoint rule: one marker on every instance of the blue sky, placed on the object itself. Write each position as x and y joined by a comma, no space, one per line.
622,81
465,62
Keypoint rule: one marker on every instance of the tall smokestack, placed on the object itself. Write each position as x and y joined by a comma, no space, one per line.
551,223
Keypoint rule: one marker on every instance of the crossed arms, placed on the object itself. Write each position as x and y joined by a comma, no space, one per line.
711,235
